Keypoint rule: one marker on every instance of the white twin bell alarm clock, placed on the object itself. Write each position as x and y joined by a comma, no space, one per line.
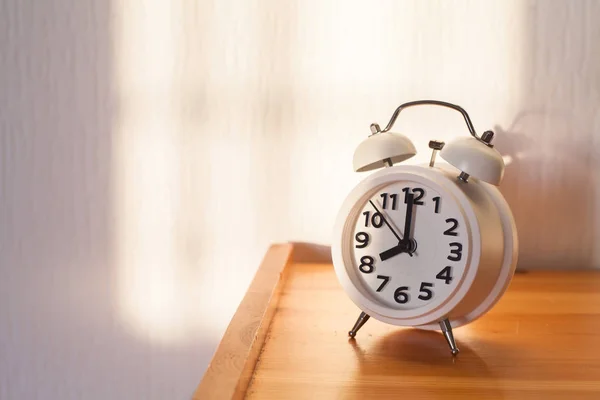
429,246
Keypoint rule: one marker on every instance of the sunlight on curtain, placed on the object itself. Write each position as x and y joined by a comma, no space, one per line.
153,288
238,120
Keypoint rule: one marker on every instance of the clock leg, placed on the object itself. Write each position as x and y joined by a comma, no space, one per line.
362,319
447,330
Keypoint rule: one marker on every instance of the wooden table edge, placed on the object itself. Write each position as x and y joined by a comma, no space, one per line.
230,370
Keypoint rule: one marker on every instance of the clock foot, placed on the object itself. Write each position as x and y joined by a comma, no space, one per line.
362,319
447,330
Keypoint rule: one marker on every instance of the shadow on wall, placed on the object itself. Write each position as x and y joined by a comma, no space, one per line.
552,182
60,334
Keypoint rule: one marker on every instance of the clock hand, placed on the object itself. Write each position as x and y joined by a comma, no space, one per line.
402,247
410,243
405,245
385,221
408,220
394,251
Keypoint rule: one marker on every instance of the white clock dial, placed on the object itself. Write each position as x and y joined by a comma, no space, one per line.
418,272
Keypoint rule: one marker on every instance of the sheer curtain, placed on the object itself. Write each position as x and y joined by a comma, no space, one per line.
238,120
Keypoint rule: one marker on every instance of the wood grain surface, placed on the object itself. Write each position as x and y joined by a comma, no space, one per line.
541,341
231,368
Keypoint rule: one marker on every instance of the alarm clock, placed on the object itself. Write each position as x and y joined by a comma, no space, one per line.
430,246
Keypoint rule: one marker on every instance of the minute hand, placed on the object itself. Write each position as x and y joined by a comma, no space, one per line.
408,221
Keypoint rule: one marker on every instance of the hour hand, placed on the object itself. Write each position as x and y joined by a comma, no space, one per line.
394,251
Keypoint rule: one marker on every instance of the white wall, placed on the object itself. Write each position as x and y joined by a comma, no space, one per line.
151,151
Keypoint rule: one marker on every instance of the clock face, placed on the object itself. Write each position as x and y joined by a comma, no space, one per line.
409,246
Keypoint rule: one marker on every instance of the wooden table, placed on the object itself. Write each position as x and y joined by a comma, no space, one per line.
289,340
